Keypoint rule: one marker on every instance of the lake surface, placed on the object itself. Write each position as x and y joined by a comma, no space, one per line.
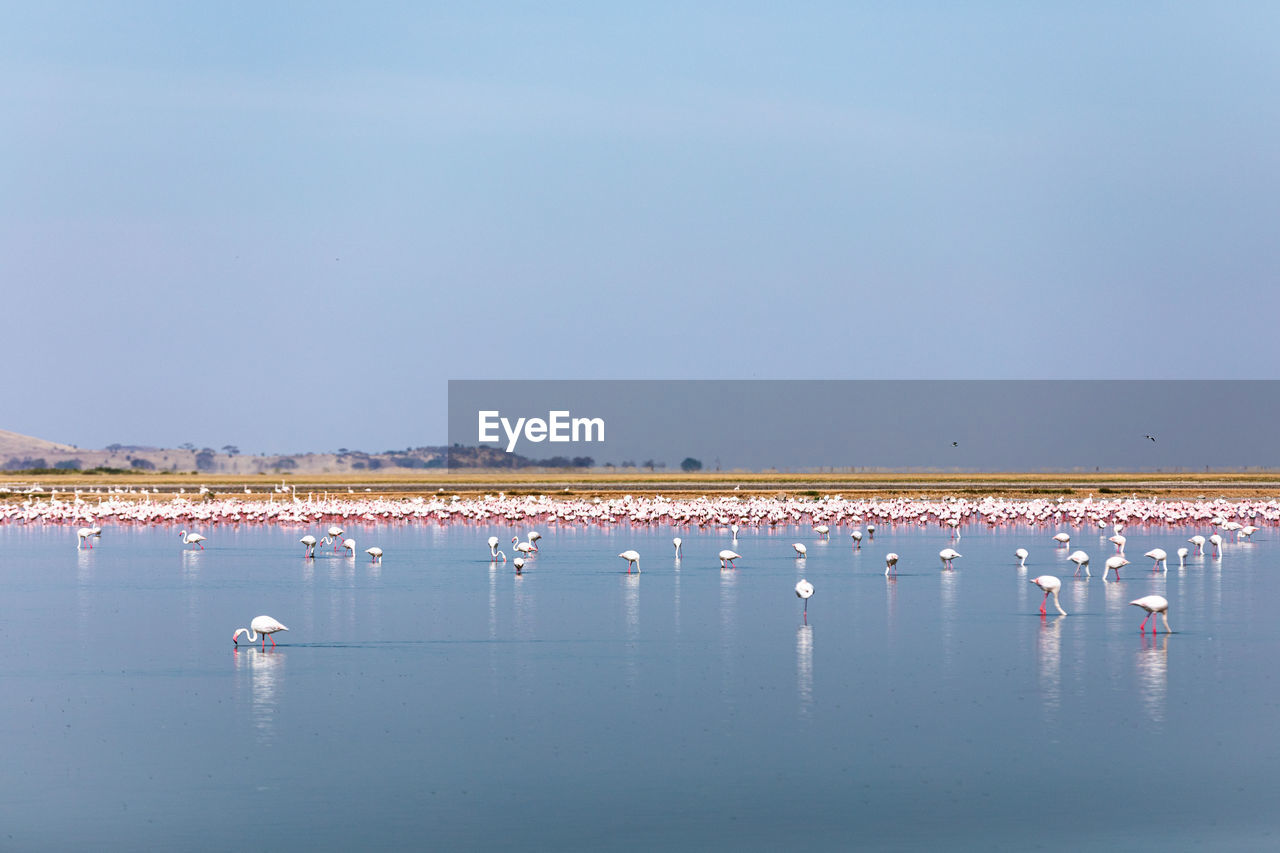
436,702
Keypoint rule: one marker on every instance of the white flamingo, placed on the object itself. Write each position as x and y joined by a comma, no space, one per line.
1022,555
801,551
633,559
1158,557
1216,541
375,554
1198,541
727,557
518,562
1118,541
350,545
533,538
1050,585
1114,564
890,562
523,547
192,539
1153,604
1063,539
677,541
822,530
335,535
310,542
1182,557
83,535
947,555
1081,559
804,590
264,625
856,536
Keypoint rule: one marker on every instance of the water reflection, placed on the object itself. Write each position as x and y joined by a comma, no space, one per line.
728,633
265,670
804,668
631,610
948,597
1153,675
1049,655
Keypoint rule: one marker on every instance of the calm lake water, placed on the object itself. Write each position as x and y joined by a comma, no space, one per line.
434,702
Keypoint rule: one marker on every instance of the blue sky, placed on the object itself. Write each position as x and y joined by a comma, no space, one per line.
286,227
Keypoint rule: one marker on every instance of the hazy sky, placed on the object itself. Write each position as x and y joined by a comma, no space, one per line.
285,226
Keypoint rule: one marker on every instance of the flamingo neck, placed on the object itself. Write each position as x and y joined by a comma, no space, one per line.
249,633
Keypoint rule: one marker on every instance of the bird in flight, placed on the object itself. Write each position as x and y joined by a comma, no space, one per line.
1152,437
955,444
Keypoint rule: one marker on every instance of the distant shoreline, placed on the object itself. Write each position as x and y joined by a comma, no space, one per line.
471,482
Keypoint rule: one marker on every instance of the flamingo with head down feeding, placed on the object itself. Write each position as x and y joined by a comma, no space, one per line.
947,555
1153,604
375,554
1081,559
1114,564
264,625
727,557
890,562
801,550
1049,584
1158,557
677,542
633,559
804,590
1022,555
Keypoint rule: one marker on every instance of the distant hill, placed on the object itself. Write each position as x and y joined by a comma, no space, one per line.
22,452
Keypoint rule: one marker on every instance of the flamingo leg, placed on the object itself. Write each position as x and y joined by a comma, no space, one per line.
1143,627
1043,602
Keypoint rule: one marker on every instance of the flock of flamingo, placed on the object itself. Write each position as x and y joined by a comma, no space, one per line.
1239,518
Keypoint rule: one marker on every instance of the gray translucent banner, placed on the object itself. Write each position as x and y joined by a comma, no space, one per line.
847,425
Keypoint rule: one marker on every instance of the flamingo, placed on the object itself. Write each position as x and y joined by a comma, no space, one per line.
1182,558
890,562
1153,604
801,551
632,558
677,541
350,545
1216,541
947,555
1247,531
857,539
1022,555
533,538
83,535
335,534
493,546
264,625
1081,559
733,530
1118,541
1063,539
518,562
1198,541
1158,556
1115,564
310,542
871,531
1049,584
375,554
727,557
192,539
822,530
523,547
804,590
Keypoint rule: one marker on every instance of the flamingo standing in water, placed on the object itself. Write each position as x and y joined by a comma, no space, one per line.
335,535
1022,555
310,542
1118,541
822,530
192,539
493,546
83,535
804,590
523,547
350,545
1153,604
1081,559
518,562
375,554
677,541
533,538
1198,541
871,532
1247,531
1049,584
1115,564
264,625
947,555
733,531
632,558
801,551
726,559
856,536
1158,556
1063,539
1182,557
1216,540
890,562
